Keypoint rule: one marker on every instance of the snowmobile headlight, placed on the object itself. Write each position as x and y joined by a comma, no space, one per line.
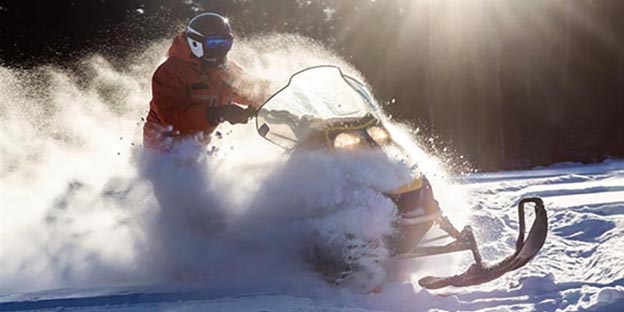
379,134
347,140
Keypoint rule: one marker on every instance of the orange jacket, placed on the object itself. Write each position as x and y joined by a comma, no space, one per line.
182,91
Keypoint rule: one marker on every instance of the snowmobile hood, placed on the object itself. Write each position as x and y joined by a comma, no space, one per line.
179,49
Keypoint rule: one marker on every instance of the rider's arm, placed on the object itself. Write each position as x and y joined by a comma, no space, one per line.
172,102
244,100
253,98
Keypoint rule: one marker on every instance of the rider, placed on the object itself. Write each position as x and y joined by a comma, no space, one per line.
192,91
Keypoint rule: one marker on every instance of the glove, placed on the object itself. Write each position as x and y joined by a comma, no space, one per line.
233,114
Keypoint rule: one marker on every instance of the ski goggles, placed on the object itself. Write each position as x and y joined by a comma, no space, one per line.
218,42
212,42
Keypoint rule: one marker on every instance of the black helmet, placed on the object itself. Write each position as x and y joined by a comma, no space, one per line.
210,38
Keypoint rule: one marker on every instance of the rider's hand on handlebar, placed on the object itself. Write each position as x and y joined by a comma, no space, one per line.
233,114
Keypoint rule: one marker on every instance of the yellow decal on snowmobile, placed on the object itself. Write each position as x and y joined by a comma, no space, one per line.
416,184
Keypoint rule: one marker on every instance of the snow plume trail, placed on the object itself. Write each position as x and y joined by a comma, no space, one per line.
77,191
65,142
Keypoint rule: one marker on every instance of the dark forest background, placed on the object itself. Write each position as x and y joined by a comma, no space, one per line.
507,83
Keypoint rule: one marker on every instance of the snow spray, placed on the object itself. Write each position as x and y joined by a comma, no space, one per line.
82,205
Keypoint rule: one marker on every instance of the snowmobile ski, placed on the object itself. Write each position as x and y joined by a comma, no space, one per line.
479,273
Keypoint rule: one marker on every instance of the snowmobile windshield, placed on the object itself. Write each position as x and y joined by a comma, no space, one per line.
314,98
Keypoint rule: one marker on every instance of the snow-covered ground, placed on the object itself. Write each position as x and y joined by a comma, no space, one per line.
580,268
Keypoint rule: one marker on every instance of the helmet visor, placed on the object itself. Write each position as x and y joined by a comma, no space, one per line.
218,43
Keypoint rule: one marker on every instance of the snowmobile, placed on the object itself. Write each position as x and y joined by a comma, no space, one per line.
321,108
